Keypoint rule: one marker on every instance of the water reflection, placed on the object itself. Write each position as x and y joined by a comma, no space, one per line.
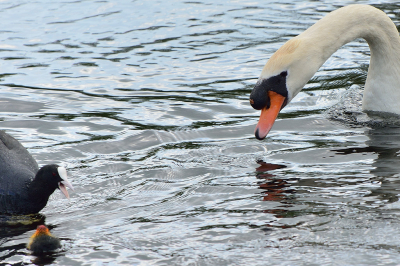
18,224
14,226
44,260
384,142
274,188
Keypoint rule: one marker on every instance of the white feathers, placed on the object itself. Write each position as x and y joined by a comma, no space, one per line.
303,55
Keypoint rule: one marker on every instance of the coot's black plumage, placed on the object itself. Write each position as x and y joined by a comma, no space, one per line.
24,188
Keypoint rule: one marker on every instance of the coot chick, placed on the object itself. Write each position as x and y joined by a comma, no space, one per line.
24,188
42,241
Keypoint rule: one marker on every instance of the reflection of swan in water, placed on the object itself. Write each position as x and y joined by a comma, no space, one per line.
383,147
385,143
274,189
290,68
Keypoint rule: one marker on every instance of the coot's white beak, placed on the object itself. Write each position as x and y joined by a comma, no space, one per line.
62,185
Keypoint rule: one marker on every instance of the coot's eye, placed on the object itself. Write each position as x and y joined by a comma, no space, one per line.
283,74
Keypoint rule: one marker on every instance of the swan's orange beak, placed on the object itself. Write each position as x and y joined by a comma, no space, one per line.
268,116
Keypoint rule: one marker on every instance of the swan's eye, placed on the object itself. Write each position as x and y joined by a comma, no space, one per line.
283,74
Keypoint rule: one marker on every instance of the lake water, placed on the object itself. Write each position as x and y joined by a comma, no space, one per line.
146,103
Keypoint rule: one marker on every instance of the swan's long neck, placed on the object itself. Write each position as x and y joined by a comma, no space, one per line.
320,41
292,66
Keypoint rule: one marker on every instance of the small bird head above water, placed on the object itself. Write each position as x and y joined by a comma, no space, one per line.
49,178
42,242
55,175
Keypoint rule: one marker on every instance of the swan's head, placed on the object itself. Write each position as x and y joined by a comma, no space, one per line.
284,75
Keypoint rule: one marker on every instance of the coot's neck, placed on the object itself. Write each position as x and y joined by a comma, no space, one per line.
39,193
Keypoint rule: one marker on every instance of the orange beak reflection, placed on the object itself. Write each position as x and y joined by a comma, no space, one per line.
268,116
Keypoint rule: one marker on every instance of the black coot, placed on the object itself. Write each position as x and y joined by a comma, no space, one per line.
24,188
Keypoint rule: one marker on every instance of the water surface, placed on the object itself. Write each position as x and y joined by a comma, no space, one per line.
146,104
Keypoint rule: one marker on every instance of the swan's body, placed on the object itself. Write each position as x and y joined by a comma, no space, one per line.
293,65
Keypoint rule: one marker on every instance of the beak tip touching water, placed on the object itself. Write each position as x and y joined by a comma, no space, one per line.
269,115
259,135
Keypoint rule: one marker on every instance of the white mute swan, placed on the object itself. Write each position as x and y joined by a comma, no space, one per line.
292,65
